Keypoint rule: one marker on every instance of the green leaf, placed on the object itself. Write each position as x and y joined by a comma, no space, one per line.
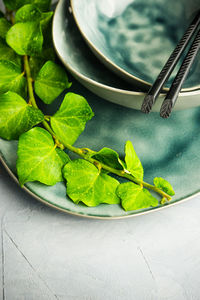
36,62
51,81
4,27
11,78
16,116
109,157
128,193
38,158
164,185
63,156
46,24
16,4
86,184
133,163
135,197
44,5
30,12
46,19
69,121
6,53
1,14
13,4
123,164
25,38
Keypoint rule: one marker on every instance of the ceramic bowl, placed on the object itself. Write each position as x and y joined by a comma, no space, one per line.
134,38
87,69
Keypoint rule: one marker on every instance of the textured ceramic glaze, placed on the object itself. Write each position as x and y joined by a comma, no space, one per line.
168,148
85,67
135,37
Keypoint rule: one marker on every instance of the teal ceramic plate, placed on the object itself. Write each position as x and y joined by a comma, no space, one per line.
134,38
88,70
167,148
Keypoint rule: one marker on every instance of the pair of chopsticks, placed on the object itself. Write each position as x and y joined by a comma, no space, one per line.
178,81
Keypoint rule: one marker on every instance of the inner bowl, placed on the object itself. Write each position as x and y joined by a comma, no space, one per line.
134,38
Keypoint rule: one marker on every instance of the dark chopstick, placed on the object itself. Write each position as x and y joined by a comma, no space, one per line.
154,91
177,83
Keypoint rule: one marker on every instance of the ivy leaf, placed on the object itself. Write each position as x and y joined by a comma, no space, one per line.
25,38
69,121
6,53
38,158
16,4
36,62
30,12
109,157
128,193
11,78
51,81
46,24
133,163
44,5
46,20
164,185
135,197
63,156
123,164
16,116
4,27
85,183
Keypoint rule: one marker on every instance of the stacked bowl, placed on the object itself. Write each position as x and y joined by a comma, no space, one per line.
116,49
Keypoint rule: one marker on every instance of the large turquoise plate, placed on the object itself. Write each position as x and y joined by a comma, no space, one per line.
167,148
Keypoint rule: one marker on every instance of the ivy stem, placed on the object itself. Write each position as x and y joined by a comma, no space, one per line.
9,13
84,153
48,128
29,82
12,19
32,100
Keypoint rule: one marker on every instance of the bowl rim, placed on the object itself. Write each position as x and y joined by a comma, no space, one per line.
98,84
114,66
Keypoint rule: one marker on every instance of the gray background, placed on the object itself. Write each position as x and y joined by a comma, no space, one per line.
46,254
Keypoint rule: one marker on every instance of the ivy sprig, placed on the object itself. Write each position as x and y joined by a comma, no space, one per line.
27,69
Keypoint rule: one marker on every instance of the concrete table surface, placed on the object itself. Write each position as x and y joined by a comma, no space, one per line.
46,254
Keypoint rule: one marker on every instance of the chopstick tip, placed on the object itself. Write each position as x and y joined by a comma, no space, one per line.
166,108
147,104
